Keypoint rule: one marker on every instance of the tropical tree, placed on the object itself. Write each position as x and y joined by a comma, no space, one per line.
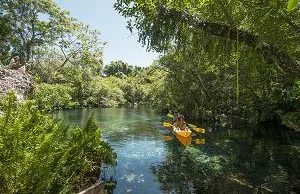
163,25
31,29
223,57
118,68
31,23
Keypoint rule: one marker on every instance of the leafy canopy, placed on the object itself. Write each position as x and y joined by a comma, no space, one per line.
264,26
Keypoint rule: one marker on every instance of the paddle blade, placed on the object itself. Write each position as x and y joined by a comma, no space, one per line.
199,130
166,124
193,126
170,115
167,138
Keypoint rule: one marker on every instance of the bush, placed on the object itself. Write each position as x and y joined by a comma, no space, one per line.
54,96
104,92
40,155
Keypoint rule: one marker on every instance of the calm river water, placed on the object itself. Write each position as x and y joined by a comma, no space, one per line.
242,159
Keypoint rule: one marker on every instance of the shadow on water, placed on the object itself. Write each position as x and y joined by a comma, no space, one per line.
240,159
264,159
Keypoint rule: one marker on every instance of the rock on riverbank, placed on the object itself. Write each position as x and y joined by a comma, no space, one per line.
17,81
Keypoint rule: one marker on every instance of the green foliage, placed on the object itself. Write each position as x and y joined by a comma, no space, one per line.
140,87
72,87
31,24
117,68
203,87
65,58
133,91
5,32
220,63
292,4
35,30
39,155
268,29
103,92
54,96
72,57
217,61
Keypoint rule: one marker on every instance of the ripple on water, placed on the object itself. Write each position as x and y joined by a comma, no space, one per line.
141,150
130,178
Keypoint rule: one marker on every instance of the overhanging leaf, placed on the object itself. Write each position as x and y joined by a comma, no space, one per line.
292,4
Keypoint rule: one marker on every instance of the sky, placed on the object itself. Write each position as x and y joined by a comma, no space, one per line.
100,15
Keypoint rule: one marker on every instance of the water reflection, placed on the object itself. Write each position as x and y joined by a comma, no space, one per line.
199,141
167,138
137,137
227,160
233,161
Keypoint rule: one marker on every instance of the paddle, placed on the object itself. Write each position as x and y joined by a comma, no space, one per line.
194,127
170,115
191,125
166,124
197,129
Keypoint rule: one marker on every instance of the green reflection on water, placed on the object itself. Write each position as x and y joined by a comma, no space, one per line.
226,160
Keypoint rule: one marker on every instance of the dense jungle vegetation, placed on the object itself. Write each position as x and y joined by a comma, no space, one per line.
41,155
220,59
223,57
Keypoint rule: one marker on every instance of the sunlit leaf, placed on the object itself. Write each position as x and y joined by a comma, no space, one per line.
292,4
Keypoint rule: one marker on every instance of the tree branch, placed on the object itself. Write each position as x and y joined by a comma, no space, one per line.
271,53
227,15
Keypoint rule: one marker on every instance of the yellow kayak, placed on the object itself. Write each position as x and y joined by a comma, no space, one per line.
184,140
182,133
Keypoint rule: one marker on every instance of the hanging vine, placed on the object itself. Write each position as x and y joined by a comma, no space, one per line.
237,67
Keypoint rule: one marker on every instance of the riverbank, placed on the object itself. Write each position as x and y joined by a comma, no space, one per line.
61,159
292,120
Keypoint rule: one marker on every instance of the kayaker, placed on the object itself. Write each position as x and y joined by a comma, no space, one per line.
180,123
